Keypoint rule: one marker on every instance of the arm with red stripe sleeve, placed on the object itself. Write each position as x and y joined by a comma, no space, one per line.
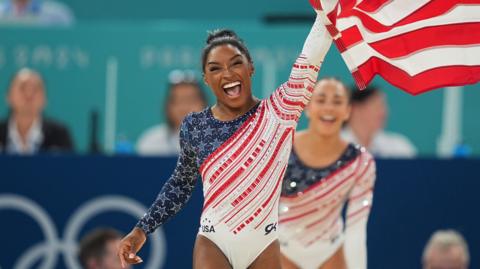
358,210
292,96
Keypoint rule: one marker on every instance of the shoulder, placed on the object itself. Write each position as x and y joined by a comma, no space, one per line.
198,115
196,118
58,12
396,143
3,124
362,153
156,130
393,137
53,125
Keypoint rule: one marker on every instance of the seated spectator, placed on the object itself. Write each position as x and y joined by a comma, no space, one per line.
366,123
26,131
184,95
98,249
446,249
35,12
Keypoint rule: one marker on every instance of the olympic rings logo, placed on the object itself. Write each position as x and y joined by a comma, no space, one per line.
52,246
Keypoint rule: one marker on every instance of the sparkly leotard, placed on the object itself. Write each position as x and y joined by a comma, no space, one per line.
311,223
241,163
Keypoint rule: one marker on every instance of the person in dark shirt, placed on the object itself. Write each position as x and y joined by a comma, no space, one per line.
26,131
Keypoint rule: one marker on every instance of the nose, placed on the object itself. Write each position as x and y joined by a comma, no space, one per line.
29,92
227,72
328,106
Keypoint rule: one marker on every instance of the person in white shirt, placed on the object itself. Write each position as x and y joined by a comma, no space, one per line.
26,131
366,126
35,12
184,95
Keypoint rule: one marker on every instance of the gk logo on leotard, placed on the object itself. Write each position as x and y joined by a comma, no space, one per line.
270,227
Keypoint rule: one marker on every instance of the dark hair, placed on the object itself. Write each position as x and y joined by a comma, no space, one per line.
220,37
178,78
361,96
93,244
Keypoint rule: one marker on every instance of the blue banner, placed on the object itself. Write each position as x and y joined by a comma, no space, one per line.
48,203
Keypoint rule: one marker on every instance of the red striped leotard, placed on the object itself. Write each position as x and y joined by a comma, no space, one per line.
241,163
311,223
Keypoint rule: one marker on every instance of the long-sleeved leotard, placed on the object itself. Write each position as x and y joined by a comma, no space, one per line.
241,163
311,224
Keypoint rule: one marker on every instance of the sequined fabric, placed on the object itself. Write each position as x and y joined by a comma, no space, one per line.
200,135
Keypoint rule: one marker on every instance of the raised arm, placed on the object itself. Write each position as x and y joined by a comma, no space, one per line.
292,96
173,196
359,205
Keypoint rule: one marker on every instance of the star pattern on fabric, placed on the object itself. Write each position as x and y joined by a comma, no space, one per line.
209,131
162,197
304,176
177,192
200,135
225,129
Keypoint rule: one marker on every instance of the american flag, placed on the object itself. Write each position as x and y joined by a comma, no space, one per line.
416,45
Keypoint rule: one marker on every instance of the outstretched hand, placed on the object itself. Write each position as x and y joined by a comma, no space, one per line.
130,245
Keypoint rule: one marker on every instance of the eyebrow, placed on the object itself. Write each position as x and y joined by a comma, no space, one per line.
324,95
232,58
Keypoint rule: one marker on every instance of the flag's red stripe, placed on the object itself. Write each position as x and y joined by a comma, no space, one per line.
350,37
434,8
431,9
347,4
428,80
407,43
372,5
444,35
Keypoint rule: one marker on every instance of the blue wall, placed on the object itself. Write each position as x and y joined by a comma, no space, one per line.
412,199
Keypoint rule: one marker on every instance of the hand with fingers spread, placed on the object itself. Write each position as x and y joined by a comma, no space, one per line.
130,245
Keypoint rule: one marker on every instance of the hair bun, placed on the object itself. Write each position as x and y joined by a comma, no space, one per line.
220,34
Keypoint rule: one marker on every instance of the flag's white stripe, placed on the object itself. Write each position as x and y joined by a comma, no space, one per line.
460,14
418,62
394,11
328,5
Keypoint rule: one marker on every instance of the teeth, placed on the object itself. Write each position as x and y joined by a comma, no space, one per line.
328,117
232,84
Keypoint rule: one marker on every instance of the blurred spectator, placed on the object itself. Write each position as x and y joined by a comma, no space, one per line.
98,249
446,249
366,123
184,95
35,12
26,131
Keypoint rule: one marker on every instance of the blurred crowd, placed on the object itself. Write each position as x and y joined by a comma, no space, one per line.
35,13
446,249
27,130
